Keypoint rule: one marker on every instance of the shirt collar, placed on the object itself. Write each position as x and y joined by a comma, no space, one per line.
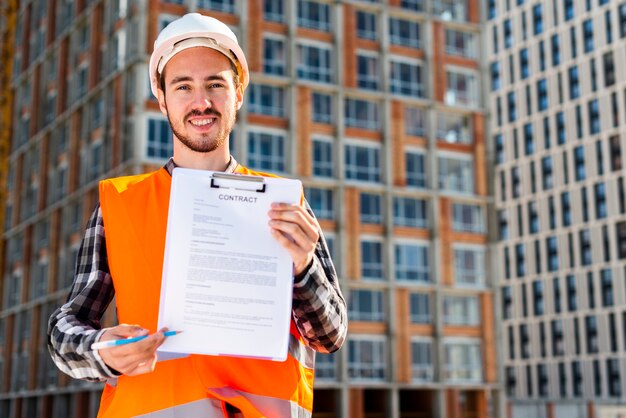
170,165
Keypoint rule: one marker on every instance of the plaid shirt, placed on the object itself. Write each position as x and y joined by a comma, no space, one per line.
318,308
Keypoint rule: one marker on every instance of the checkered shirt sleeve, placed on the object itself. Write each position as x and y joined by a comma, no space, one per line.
76,325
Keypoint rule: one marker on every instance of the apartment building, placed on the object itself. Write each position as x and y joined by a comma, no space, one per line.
376,105
558,125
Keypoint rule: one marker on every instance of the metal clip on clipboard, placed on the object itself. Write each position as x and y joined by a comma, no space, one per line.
238,177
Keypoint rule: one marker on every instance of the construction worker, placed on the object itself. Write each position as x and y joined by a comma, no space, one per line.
199,74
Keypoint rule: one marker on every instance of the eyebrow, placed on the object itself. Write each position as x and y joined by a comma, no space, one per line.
184,78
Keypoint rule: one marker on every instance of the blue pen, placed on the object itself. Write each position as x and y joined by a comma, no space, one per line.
114,343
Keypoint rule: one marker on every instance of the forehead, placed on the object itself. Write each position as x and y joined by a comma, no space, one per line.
200,61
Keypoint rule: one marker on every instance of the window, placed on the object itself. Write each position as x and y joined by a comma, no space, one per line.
574,85
520,260
600,200
367,358
546,172
274,11
314,63
552,251
160,142
371,259
366,305
620,230
422,369
415,169
556,50
368,74
507,302
469,265
615,152
314,15
467,218
591,327
588,35
529,139
456,173
609,69
538,302
265,151
454,128
326,367
566,209
495,76
225,6
508,33
362,163
579,163
274,56
414,121
415,5
420,308
558,348
462,89
511,106
462,44
366,27
622,20
613,377
606,281
577,378
462,360
594,116
323,158
585,247
409,212
322,108
406,79
450,10
371,211
404,32
321,202
461,310
362,114
499,146
266,100
523,63
411,262
537,19
542,95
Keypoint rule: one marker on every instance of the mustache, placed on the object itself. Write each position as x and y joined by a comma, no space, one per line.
206,112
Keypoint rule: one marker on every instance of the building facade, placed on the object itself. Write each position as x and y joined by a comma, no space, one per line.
376,105
558,106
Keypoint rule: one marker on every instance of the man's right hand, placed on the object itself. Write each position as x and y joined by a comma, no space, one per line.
134,358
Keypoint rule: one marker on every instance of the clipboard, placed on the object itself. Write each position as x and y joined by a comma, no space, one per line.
226,282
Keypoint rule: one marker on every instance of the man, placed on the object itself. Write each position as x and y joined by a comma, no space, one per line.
199,74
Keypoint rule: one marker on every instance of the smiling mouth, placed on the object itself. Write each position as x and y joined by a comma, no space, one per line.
202,122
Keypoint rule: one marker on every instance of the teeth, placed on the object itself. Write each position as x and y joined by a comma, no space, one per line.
202,122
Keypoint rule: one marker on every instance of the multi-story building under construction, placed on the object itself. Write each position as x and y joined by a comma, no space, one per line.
375,105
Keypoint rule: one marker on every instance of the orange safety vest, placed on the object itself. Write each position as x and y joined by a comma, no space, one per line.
135,211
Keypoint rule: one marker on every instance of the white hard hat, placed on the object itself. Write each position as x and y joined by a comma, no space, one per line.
191,30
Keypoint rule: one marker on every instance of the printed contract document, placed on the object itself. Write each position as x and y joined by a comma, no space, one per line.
227,283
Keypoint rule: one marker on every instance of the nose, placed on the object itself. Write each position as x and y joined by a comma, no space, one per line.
201,101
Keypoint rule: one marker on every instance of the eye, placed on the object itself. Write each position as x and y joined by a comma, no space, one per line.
183,87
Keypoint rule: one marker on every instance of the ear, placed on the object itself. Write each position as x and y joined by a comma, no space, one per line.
239,97
161,99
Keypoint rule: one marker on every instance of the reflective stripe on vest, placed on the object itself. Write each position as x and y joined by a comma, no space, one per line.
135,216
268,406
204,408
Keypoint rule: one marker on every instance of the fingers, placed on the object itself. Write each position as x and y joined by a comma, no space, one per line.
296,230
134,358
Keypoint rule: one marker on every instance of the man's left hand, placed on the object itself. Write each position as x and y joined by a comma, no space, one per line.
297,231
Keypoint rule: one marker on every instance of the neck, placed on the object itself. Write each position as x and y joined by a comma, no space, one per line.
216,160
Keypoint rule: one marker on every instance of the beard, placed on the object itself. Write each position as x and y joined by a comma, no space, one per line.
205,143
